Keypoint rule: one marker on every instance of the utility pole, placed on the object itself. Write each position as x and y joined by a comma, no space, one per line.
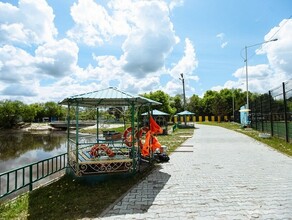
184,92
184,95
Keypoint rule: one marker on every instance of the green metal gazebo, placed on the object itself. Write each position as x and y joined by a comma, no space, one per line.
122,158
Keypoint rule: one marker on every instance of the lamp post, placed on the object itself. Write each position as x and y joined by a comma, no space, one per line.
233,107
184,94
246,68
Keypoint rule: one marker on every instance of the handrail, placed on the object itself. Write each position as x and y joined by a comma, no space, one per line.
16,179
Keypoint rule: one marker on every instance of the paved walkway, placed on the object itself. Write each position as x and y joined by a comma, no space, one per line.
216,174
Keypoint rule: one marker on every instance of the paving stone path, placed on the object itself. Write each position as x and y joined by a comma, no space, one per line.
216,174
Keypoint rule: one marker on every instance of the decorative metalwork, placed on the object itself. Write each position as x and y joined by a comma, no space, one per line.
117,157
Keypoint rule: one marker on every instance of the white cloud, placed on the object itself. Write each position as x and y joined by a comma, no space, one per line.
265,77
29,23
153,34
96,25
175,3
188,62
57,58
16,64
22,72
260,71
279,52
48,70
186,65
221,37
146,26
224,44
16,89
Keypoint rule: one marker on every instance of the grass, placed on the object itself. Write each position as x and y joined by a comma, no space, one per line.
71,199
276,143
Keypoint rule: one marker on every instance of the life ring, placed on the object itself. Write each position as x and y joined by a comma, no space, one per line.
94,151
143,131
128,137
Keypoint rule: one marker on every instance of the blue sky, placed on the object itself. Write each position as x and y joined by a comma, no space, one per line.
53,49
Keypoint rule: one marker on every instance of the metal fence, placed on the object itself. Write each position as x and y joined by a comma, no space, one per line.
272,112
17,179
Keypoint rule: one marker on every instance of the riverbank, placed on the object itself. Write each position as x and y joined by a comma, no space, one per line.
48,127
35,127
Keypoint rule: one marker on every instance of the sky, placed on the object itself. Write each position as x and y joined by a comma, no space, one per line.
52,49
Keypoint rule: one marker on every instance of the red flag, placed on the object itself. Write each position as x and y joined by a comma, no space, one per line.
154,127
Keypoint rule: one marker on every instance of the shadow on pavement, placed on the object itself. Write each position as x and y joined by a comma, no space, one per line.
140,198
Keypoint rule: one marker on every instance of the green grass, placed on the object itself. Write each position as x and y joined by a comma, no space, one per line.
70,199
276,143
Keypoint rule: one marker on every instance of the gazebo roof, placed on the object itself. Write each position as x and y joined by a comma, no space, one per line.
107,97
156,113
185,113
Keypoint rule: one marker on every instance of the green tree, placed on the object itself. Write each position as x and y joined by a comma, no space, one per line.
195,105
28,113
207,102
39,109
220,105
176,103
53,110
10,113
163,98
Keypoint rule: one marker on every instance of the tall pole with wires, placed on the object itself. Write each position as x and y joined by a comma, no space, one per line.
246,67
184,95
184,92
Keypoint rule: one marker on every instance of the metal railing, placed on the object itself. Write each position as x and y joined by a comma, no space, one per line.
272,112
16,179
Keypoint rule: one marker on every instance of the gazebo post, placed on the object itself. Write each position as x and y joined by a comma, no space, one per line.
97,124
68,133
133,135
77,137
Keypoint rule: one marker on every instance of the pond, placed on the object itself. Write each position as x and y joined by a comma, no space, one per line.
19,148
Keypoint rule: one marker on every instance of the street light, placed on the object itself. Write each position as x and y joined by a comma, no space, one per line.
233,107
246,69
184,94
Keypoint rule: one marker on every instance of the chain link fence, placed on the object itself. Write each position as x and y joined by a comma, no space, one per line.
272,112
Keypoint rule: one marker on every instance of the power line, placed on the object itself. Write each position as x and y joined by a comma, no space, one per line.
271,36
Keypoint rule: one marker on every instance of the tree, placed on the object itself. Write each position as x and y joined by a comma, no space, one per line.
195,105
176,103
28,113
163,98
10,113
208,101
52,110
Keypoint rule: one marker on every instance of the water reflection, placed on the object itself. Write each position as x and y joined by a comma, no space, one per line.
21,148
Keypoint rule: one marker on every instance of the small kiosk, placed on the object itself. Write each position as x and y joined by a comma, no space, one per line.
184,119
104,154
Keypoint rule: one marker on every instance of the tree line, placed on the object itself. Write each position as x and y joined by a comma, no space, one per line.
218,103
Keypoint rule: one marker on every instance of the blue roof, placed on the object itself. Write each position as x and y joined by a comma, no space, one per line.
107,97
185,113
156,112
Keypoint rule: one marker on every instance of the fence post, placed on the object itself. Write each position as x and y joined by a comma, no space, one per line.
285,113
255,114
30,177
271,113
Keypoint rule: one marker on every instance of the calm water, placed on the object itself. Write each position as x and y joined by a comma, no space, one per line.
19,148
